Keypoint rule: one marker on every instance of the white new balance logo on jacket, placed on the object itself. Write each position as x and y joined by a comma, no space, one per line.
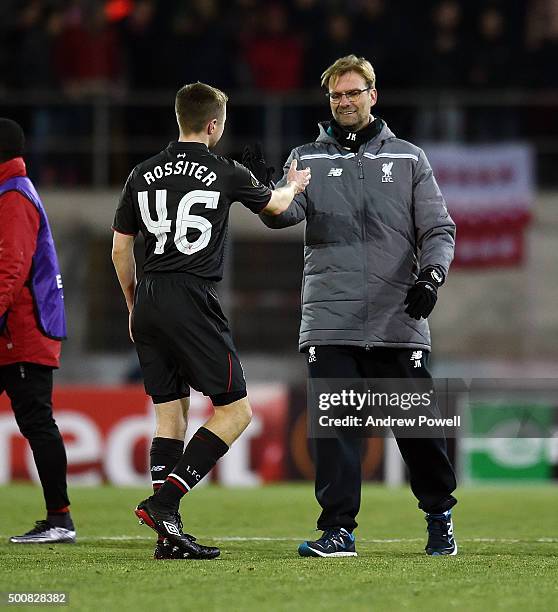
335,172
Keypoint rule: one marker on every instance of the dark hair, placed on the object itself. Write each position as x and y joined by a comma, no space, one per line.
12,139
197,104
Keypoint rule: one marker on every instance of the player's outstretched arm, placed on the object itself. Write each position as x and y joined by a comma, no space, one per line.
297,181
125,266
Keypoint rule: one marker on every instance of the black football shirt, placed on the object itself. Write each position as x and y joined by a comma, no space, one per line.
180,199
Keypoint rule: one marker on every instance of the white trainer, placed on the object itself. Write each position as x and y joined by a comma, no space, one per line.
45,533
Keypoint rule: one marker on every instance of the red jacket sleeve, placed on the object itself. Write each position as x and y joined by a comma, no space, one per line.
19,227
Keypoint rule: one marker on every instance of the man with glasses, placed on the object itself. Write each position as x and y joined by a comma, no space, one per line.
378,245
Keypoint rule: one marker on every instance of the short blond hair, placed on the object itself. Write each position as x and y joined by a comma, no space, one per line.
198,103
350,63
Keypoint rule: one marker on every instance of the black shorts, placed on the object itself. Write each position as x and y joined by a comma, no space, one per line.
183,340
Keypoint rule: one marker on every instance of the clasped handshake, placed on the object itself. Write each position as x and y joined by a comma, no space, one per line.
253,159
298,178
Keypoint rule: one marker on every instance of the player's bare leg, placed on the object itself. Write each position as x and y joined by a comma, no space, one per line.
231,420
171,419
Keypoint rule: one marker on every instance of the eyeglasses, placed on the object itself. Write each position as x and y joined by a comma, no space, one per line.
352,96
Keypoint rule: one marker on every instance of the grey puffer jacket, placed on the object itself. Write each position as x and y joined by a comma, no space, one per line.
373,220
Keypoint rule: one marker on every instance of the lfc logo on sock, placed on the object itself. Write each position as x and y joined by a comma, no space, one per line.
190,470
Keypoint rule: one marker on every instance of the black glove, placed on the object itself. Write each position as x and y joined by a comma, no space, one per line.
253,159
421,297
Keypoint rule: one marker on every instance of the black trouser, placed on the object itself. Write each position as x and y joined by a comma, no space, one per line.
29,387
338,460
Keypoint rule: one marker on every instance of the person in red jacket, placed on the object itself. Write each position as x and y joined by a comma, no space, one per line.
31,328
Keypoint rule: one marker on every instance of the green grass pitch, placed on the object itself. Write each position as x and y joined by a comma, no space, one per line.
507,536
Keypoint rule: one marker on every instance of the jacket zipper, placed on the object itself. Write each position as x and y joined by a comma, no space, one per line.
363,200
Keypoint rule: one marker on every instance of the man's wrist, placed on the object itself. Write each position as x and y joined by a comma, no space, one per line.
433,275
292,185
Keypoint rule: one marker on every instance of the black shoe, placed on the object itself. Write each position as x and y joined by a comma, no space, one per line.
168,525
440,535
163,550
333,543
46,533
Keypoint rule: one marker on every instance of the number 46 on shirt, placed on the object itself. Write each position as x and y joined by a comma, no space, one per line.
161,226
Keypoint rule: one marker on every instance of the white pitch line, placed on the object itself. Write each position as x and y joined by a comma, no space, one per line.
131,538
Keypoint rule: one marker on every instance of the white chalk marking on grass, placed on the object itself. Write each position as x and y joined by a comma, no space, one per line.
385,540
138,538
262,539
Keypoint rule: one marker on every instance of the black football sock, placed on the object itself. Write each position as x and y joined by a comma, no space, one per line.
165,453
201,454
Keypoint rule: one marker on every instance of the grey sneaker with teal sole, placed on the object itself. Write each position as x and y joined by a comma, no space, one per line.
336,542
441,540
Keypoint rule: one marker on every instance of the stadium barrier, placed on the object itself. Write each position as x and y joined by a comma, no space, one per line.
107,432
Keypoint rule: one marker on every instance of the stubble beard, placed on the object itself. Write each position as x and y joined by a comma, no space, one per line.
357,124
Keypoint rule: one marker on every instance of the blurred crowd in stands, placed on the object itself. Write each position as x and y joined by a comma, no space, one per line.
123,51
90,46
